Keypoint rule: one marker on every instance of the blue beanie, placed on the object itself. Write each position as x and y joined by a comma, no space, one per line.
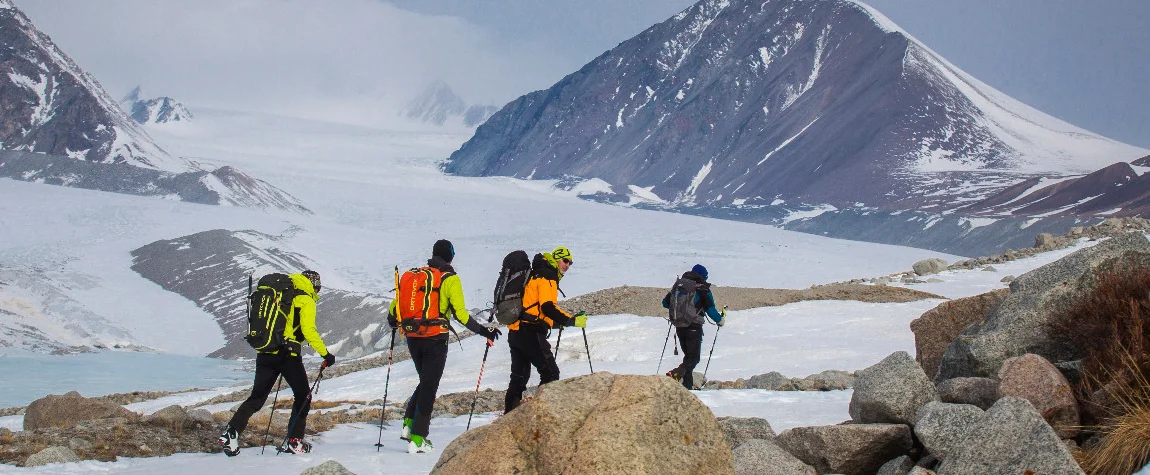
699,269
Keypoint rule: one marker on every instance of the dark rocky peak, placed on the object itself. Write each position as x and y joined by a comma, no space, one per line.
159,110
1116,190
49,105
740,102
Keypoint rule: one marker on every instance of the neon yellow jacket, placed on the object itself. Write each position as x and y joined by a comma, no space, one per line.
304,306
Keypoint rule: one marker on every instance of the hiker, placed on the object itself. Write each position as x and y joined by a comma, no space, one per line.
687,301
527,337
424,299
287,361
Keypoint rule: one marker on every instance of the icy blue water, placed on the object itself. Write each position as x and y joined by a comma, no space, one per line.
25,377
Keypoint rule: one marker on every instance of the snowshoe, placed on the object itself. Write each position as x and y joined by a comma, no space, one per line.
230,441
295,446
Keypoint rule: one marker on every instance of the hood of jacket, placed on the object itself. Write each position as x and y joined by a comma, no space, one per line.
440,264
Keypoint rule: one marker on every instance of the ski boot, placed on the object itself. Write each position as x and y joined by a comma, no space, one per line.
230,440
675,376
295,446
419,445
405,432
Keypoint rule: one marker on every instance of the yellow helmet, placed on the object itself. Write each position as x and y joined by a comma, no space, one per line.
562,254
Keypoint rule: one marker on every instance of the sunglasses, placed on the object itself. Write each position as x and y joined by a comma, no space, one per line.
317,288
567,261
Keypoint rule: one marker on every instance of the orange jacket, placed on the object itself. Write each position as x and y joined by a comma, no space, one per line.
539,304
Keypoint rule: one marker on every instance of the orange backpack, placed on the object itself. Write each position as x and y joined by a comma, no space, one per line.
418,304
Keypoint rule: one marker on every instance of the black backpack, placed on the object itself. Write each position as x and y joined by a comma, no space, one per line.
509,288
681,309
268,309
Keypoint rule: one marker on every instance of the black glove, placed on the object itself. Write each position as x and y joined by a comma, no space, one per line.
491,333
392,321
329,360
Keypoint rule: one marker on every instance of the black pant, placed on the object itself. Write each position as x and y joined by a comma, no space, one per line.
268,368
691,341
429,356
529,347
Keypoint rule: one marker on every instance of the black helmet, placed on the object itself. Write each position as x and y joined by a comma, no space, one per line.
312,276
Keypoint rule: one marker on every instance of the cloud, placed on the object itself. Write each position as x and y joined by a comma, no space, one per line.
355,61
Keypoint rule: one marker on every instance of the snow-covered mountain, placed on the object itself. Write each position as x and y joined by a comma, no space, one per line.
51,106
745,104
438,104
59,126
159,110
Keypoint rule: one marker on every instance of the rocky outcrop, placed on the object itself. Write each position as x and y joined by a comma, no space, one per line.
935,329
1033,378
828,380
891,391
1019,325
979,392
851,449
898,466
941,426
1012,438
68,409
930,266
761,457
593,423
55,454
330,467
741,429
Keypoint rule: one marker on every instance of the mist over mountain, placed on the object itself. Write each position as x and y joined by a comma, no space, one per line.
438,104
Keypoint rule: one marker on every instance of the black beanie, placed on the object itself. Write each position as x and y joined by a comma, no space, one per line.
443,250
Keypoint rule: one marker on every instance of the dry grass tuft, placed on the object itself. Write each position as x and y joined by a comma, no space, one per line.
1124,446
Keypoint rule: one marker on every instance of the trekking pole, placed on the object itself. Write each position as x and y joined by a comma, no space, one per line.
713,345
588,348
270,414
295,415
557,340
490,343
386,382
664,352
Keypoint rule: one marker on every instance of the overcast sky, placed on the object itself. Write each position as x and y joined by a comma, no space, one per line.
1086,62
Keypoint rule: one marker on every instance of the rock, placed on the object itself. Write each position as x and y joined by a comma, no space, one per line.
1008,278
617,423
1075,231
829,380
773,381
852,449
1011,438
1045,241
67,410
1020,324
1033,378
989,269
941,426
1072,370
54,454
920,471
979,392
76,443
760,457
898,466
933,265
935,329
172,416
742,429
891,391
933,280
201,416
330,467
698,380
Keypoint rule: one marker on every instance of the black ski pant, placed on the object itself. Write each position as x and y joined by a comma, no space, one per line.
528,348
429,356
268,369
691,341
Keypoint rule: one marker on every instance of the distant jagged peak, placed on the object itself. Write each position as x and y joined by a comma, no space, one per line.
132,97
438,104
